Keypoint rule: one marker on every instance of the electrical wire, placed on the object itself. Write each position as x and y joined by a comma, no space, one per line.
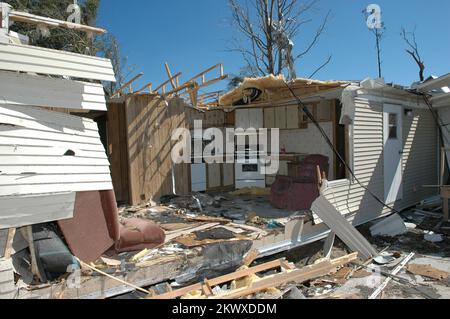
335,151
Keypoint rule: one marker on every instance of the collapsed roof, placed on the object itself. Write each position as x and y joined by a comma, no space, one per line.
274,88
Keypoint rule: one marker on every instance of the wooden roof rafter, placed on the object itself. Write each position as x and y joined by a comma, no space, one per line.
163,86
128,85
210,99
148,87
199,81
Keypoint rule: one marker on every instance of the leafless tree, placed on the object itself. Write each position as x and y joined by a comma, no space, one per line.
108,47
413,51
257,22
379,34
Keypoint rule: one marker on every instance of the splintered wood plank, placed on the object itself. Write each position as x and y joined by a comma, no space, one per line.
250,257
220,280
297,276
176,234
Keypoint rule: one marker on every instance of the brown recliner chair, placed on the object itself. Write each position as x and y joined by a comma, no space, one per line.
95,228
298,193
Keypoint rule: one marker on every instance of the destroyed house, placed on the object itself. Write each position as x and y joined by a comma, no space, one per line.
385,133
69,154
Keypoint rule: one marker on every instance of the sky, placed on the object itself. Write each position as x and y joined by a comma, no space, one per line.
192,35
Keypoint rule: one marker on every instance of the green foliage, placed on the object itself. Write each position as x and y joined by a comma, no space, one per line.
71,40
59,38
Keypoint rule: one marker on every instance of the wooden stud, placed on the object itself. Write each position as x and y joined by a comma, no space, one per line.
27,233
167,82
169,74
9,241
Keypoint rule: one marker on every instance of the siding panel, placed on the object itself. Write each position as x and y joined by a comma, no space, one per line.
50,152
419,163
50,92
31,59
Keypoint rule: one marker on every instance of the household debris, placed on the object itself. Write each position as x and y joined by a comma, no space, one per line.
8,289
391,226
342,228
193,237
427,271
433,238
245,282
378,291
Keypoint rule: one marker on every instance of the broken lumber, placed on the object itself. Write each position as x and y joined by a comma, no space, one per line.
172,235
342,228
296,276
394,273
222,279
112,277
8,244
250,257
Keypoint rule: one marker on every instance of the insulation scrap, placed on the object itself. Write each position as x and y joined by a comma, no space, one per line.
272,82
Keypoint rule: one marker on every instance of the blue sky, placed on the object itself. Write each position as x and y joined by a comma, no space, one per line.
193,35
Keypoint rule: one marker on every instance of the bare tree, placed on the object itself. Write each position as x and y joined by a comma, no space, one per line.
108,47
267,29
378,32
413,51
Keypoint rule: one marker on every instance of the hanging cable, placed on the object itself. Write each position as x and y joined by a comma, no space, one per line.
335,151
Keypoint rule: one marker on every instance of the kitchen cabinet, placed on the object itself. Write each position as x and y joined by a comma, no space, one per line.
280,118
249,118
292,117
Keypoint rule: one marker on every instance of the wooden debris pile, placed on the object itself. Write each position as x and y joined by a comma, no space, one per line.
246,282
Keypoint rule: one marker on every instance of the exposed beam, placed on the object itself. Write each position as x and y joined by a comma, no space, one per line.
128,84
169,74
147,86
167,82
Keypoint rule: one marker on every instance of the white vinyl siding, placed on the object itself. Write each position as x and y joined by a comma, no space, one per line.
33,144
25,58
419,162
29,90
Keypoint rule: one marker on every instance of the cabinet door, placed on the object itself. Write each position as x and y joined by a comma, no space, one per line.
292,117
324,111
269,118
242,119
214,176
228,174
256,118
280,117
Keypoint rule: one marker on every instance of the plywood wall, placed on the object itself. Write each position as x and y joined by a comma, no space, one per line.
139,145
118,150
